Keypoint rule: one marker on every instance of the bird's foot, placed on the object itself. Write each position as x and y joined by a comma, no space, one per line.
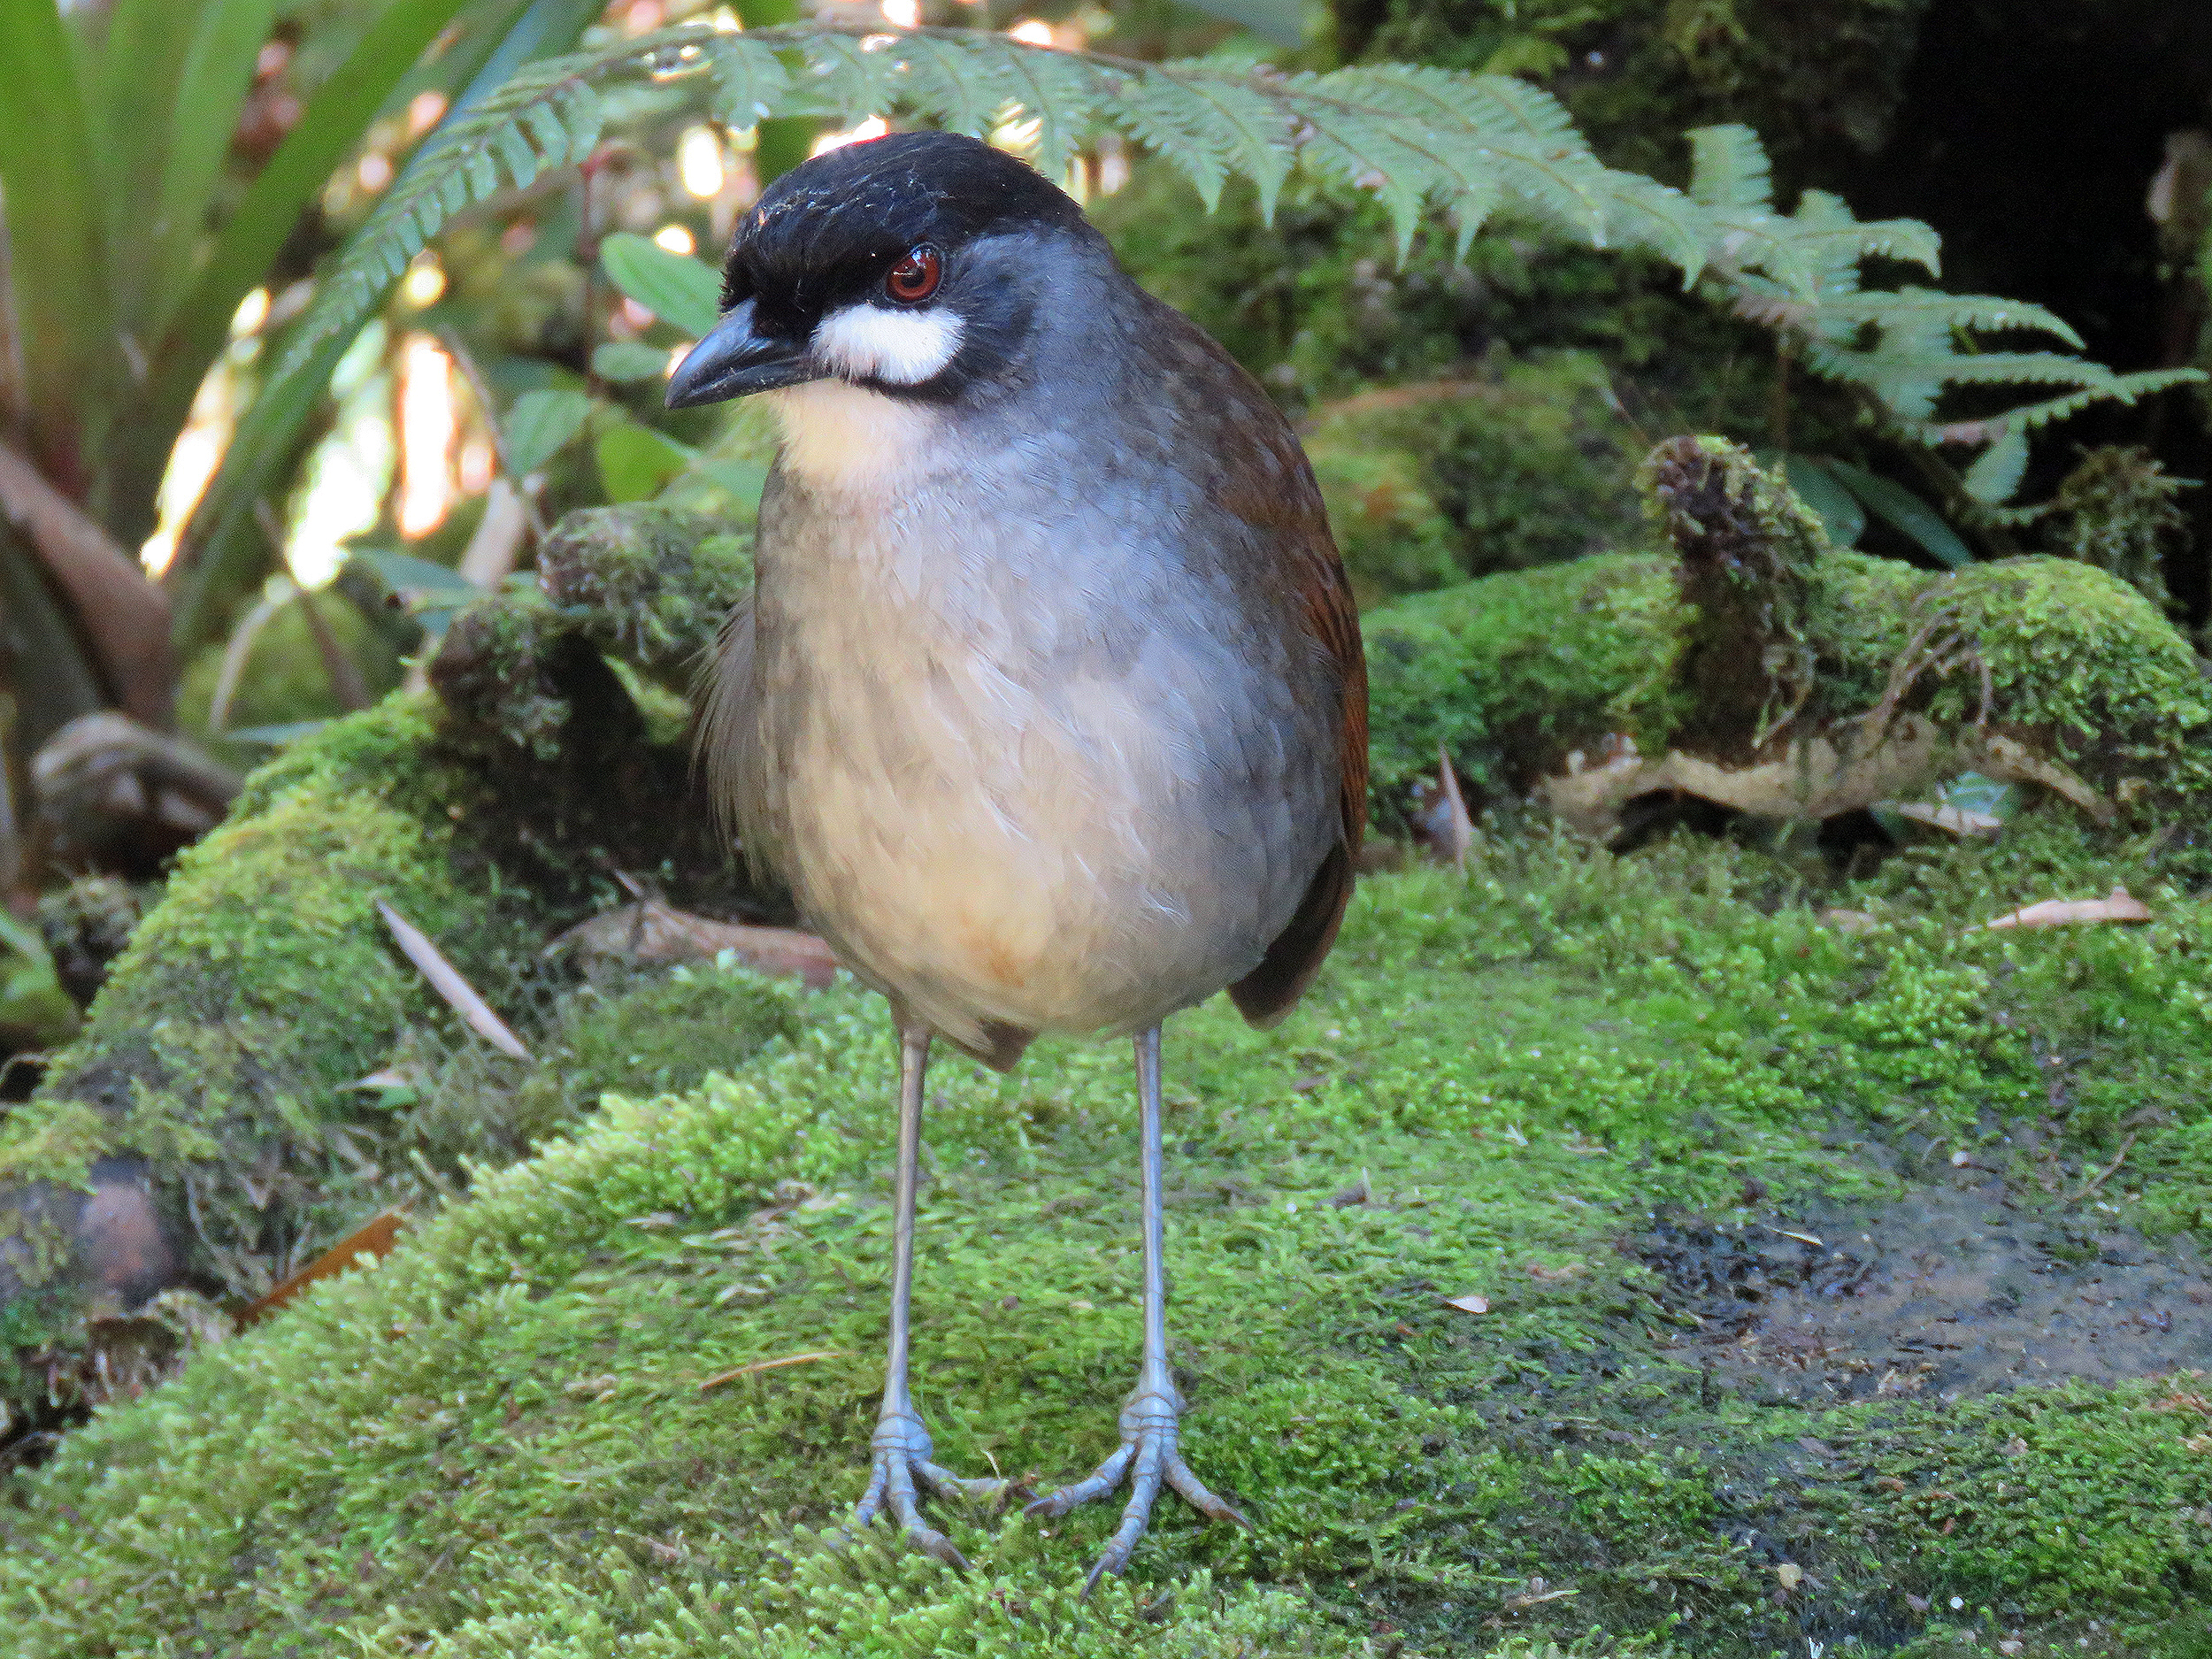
900,1448
1147,1457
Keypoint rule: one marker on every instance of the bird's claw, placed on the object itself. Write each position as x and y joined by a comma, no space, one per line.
1148,1458
899,1453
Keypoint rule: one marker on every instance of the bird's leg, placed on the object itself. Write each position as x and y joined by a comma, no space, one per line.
1149,1454
901,1446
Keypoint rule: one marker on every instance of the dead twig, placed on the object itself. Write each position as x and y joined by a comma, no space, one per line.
720,1377
447,980
2106,1173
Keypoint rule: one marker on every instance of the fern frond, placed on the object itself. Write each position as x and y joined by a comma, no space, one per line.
1946,312
545,117
1418,138
1903,349
1729,169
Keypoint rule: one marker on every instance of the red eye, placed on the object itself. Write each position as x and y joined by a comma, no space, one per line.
915,278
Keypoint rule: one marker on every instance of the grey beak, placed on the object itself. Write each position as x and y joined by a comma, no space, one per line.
733,361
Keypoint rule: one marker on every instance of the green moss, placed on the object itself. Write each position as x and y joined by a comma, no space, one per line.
1821,79
2081,659
248,1000
1511,671
1525,464
2118,510
646,584
499,1441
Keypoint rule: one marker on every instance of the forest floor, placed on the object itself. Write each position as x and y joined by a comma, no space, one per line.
1626,1252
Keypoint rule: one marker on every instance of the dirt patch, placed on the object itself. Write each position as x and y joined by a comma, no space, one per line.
1947,1293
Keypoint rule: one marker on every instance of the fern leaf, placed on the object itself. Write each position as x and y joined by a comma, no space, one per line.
1246,130
2124,389
944,80
1729,169
748,79
1995,477
1916,308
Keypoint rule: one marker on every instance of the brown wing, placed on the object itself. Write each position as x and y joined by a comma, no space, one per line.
1295,518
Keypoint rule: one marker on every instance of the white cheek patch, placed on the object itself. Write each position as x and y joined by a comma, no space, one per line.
841,436
901,348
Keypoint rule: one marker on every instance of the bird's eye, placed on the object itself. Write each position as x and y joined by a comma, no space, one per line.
915,278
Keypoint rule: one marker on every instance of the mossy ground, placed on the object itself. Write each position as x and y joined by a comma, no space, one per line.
497,1443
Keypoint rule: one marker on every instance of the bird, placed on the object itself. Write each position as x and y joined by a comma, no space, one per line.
1049,705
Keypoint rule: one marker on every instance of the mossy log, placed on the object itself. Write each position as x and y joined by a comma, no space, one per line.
210,1127
1760,669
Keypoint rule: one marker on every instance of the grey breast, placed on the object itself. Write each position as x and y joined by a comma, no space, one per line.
1064,625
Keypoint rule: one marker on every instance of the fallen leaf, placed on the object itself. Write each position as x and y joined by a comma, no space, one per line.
1851,921
389,1077
1469,1303
1951,819
1538,1593
2119,905
1790,1573
652,933
374,1237
1458,828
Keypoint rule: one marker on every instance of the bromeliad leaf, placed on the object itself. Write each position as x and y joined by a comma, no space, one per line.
1904,512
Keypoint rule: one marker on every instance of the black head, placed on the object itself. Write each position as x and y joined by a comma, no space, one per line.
899,264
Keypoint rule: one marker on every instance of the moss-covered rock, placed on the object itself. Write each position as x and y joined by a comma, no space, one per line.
544,1425
1756,633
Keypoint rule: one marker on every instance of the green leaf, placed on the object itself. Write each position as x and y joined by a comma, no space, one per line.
682,291
540,426
1905,512
636,463
329,128
741,481
279,736
1970,792
1281,21
264,445
624,361
54,182
410,578
166,211
1838,511
1996,475
1729,168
